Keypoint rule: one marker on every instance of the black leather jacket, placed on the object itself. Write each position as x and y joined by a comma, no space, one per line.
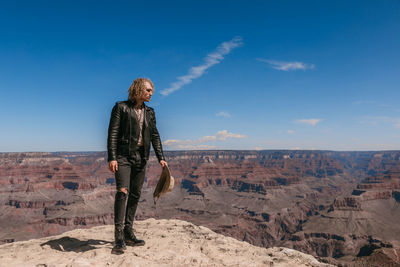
123,132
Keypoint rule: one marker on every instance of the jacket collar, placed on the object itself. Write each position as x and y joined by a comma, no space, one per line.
132,103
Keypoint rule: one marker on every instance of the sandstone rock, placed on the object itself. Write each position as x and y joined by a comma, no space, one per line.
168,243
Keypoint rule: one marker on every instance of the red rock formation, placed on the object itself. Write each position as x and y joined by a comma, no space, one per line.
321,202
347,203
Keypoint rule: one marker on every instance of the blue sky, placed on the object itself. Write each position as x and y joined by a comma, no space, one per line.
228,74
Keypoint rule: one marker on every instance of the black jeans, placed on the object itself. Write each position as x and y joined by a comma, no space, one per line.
130,175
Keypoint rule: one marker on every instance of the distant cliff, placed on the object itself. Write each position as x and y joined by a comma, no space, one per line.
342,207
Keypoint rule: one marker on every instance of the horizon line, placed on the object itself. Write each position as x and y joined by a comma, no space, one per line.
185,150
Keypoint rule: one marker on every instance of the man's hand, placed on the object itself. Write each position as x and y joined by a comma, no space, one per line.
163,163
113,166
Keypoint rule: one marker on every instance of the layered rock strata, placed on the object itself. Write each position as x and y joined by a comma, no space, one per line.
340,206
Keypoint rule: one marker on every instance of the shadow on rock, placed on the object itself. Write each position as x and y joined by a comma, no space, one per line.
67,243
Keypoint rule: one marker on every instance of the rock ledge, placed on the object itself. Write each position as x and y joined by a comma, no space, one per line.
168,243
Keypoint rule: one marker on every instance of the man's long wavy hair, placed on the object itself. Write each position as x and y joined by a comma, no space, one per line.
138,87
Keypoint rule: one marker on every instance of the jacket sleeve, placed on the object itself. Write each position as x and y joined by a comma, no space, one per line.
113,131
155,139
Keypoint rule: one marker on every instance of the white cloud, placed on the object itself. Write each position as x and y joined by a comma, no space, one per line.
312,122
174,142
377,105
220,136
290,132
194,147
207,138
287,65
210,60
224,134
364,102
377,120
223,114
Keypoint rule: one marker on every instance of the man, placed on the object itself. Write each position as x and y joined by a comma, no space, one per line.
132,128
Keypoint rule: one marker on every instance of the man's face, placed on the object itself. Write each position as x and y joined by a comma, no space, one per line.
148,92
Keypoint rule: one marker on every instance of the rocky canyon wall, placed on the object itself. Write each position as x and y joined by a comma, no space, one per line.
342,207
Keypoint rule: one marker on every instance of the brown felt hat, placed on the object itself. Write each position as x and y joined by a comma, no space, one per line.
164,185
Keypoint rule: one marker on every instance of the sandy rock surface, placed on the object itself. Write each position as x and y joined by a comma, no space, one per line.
168,243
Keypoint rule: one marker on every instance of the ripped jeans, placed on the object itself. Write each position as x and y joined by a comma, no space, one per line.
129,176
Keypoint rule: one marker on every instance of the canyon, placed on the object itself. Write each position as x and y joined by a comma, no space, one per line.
341,207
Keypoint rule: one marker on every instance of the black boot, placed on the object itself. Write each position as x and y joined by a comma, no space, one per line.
119,245
131,239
